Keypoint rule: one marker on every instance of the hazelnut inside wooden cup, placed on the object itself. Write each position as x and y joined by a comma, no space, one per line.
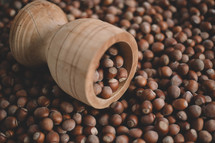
41,34
129,56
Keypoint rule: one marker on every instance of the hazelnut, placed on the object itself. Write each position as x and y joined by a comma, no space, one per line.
194,111
122,130
158,104
108,129
140,81
197,65
197,124
115,119
210,125
118,61
56,117
174,129
146,107
135,132
90,130
10,122
52,136
180,104
41,112
46,124
114,84
108,137
89,120
165,71
122,74
148,119
151,136
97,88
179,138
39,137
191,135
3,114
132,121
209,110
64,138
205,136
66,107
173,91
68,124
168,139
122,139
106,92
162,128
157,47
117,107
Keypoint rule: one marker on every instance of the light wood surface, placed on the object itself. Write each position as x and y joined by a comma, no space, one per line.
41,34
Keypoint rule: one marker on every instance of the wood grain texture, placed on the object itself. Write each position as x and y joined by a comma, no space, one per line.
40,34
32,29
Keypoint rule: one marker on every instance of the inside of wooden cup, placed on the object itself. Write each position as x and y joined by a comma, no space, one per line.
126,53
128,49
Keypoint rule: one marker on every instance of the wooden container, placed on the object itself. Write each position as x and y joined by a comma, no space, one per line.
41,34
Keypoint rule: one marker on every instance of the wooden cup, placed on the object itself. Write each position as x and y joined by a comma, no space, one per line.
41,34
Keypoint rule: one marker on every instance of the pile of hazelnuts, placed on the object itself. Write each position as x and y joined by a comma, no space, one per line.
170,99
110,73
